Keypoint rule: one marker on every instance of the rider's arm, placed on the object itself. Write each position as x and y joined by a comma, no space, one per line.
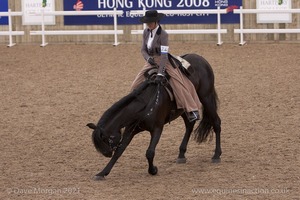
164,48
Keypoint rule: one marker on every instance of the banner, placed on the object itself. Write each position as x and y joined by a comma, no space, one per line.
274,17
127,5
4,8
29,6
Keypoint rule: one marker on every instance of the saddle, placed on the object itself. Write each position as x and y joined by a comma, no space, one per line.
175,61
151,75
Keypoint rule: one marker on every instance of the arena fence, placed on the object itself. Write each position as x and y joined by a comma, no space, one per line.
116,32
243,31
43,32
217,11
10,31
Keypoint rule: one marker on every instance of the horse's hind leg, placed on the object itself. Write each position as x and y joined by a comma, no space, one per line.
183,146
217,129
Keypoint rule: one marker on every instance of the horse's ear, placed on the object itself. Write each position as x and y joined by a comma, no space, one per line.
91,126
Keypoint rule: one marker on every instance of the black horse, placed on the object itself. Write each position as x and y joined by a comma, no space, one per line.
148,108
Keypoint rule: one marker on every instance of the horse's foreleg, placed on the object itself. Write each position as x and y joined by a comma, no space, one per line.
155,136
119,151
183,146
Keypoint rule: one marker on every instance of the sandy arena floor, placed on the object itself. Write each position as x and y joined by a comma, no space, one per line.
49,94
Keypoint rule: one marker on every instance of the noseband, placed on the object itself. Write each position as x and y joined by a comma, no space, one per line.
111,143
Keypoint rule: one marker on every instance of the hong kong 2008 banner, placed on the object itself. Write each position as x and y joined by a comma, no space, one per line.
3,8
128,5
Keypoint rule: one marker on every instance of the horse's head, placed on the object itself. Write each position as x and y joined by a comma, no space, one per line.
105,143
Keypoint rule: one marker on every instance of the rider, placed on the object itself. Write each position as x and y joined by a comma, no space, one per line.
155,47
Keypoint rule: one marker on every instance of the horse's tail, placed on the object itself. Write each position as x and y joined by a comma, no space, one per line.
209,112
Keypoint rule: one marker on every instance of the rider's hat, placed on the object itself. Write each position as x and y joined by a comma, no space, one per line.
151,16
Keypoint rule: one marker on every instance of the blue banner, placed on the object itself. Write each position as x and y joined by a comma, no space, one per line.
128,5
4,8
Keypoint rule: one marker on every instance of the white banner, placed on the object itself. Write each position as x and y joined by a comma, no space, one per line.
274,5
31,6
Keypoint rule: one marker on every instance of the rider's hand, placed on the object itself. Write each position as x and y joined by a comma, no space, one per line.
151,61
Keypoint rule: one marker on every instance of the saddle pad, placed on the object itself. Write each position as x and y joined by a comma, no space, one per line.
183,62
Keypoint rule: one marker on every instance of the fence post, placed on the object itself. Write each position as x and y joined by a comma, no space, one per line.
241,27
219,27
43,29
115,27
10,29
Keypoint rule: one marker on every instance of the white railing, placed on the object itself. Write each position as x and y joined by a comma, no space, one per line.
43,32
242,31
217,11
10,32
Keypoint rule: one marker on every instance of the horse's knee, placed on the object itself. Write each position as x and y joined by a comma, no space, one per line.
150,154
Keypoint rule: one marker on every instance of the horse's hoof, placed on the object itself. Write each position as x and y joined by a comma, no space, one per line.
216,160
153,171
181,160
99,178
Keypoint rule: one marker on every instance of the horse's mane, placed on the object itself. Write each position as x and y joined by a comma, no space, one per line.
121,104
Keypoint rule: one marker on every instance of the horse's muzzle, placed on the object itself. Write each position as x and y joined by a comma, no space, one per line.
107,154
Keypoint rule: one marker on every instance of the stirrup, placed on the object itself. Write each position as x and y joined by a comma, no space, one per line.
192,116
